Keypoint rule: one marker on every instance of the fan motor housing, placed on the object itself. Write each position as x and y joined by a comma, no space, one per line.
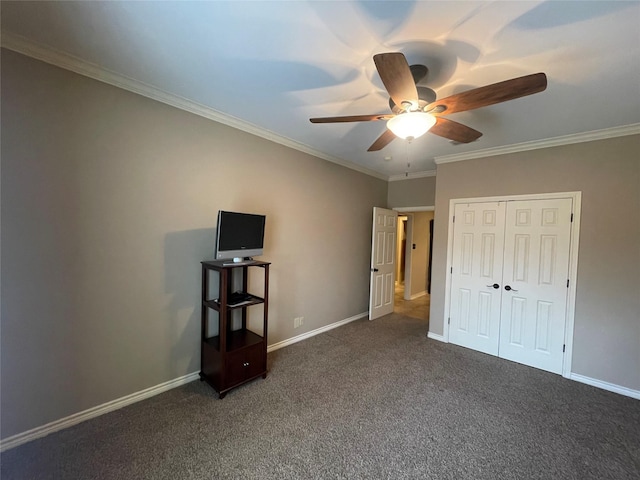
425,97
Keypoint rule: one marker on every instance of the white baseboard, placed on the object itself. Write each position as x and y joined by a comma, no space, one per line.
612,387
435,336
94,412
315,332
76,418
418,295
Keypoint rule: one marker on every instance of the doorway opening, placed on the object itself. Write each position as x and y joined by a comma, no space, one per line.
413,262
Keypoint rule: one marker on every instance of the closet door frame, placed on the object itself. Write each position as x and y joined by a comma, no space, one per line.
576,198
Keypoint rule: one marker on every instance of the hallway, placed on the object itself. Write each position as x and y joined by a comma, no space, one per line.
418,308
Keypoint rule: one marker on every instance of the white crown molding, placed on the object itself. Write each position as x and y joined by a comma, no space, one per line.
603,134
410,176
60,59
425,208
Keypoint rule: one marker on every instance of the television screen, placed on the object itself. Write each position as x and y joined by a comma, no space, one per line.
239,235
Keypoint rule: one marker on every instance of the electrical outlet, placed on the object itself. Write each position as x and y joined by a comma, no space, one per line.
298,322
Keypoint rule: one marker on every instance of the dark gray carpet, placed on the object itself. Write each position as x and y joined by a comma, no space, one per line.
370,400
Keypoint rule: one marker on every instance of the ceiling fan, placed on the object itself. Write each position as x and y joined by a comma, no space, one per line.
416,110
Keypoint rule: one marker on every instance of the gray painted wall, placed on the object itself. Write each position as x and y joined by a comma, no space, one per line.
420,255
109,203
607,172
415,192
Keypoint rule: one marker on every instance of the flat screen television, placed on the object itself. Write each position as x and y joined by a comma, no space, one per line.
239,235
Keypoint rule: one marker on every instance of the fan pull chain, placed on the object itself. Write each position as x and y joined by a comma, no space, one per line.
406,173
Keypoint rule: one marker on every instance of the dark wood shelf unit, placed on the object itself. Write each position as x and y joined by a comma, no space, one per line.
232,357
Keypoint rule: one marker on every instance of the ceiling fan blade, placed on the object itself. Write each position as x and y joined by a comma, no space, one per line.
397,78
352,118
490,94
454,131
382,141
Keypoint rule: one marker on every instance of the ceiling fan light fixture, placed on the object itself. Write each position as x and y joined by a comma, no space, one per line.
411,124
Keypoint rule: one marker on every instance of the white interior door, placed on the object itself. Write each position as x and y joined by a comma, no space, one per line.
383,262
535,278
476,276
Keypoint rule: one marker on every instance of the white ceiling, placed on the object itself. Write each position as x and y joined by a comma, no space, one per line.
267,67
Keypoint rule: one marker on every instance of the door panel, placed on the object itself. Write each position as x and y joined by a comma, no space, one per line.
383,255
477,265
536,268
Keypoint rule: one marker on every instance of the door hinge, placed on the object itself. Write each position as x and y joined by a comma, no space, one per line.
572,217
563,348
449,321
454,219
451,270
567,283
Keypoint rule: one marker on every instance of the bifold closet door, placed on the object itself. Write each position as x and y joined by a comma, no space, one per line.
535,288
476,280
509,275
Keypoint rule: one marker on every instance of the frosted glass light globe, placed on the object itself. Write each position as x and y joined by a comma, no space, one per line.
411,124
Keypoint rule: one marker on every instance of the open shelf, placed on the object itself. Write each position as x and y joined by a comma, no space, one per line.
236,340
252,300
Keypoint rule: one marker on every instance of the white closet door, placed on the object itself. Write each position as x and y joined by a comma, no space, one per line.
476,269
535,276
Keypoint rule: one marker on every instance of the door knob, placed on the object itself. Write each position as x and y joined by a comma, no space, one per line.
374,269
495,285
508,287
